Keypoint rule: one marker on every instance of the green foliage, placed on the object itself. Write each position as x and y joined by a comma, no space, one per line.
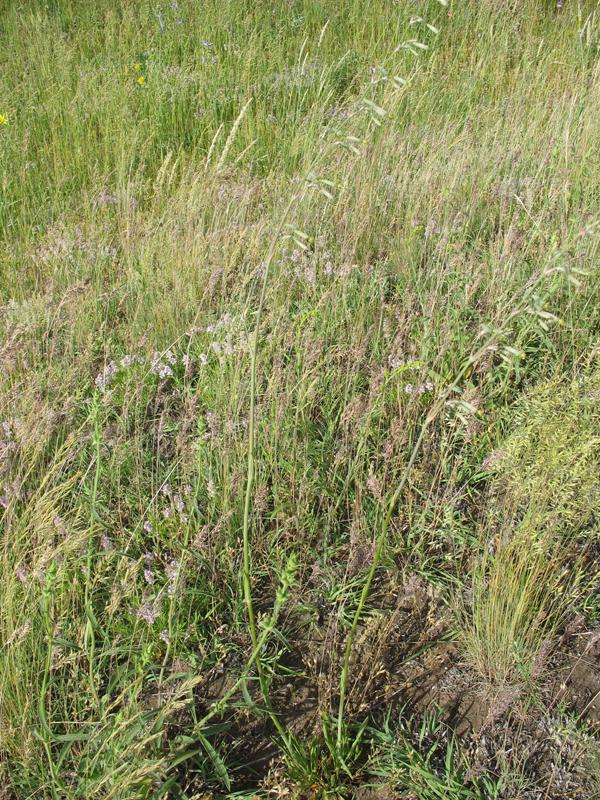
205,464
541,520
426,762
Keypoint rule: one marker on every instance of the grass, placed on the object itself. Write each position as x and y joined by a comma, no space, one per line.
299,308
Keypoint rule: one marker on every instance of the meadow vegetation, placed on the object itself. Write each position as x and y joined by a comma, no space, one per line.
299,399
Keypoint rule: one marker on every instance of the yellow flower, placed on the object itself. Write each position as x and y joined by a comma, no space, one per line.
141,80
3,119
138,67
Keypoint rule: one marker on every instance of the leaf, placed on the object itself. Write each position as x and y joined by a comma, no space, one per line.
216,760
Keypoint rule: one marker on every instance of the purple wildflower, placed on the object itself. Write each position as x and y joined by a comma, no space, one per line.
21,573
159,367
149,612
104,378
129,361
172,572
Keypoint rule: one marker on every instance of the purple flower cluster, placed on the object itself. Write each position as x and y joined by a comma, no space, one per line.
162,364
21,573
161,17
149,611
149,576
176,502
172,572
104,378
421,388
14,491
7,442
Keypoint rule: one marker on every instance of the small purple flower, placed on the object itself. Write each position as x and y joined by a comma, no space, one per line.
21,573
167,513
3,501
106,543
172,572
409,388
104,378
149,576
149,558
129,361
149,612
159,367
147,526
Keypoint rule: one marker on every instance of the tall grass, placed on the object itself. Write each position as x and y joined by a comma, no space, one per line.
275,280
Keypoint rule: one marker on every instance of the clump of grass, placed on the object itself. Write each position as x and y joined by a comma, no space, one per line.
541,507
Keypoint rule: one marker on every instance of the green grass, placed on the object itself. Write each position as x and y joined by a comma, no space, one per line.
275,281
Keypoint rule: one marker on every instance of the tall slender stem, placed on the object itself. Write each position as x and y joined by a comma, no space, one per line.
247,565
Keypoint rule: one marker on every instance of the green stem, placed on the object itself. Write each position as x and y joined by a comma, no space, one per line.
247,567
